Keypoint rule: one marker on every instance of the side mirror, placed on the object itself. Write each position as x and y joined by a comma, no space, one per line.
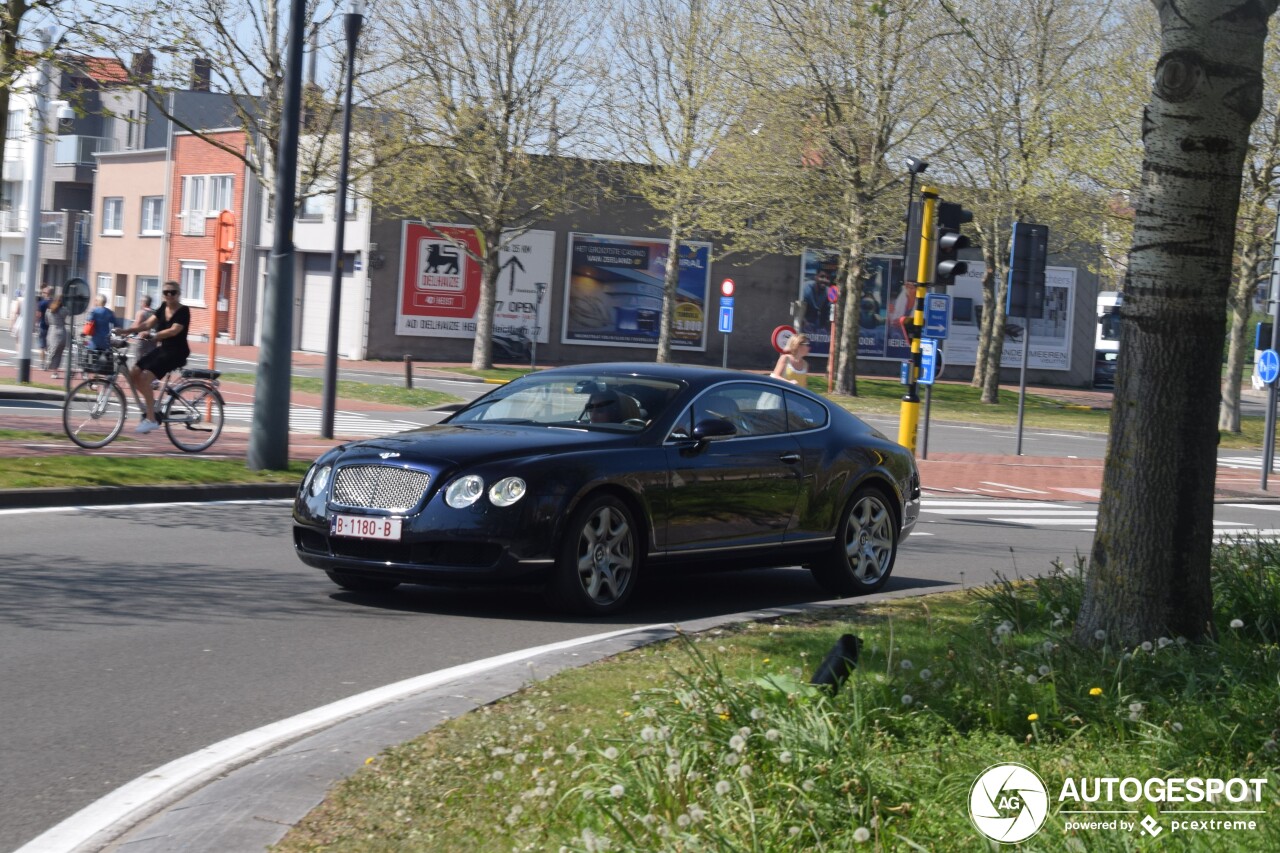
710,428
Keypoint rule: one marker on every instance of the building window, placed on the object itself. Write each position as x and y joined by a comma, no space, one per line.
153,215
148,285
113,215
193,208
192,282
104,284
313,207
220,189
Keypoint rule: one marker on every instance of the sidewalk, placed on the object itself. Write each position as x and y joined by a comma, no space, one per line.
1002,475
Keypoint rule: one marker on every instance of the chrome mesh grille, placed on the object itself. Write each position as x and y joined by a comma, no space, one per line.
379,487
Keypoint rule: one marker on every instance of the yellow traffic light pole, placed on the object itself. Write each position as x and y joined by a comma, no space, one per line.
909,422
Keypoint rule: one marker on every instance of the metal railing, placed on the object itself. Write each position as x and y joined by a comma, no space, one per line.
79,150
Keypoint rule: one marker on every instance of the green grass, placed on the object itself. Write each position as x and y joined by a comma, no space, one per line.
30,435
418,398
717,741
77,471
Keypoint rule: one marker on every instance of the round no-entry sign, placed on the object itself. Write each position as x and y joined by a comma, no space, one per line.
781,335
726,287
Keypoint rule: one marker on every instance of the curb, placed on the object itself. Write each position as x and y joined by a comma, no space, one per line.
117,495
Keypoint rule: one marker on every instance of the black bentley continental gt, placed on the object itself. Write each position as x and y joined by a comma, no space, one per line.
579,478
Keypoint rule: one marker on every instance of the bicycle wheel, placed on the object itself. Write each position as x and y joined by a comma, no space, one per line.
93,414
193,416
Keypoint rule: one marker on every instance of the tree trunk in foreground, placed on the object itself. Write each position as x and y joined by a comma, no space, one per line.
1149,570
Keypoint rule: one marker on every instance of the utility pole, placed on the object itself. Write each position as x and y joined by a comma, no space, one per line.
909,419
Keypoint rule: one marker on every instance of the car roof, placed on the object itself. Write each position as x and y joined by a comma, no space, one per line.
696,375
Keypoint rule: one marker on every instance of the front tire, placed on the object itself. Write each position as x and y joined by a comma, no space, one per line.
355,583
599,559
862,557
93,414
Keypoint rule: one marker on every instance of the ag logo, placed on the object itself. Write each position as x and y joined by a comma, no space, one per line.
1008,803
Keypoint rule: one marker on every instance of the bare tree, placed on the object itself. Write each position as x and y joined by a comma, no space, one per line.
1148,575
674,96
482,94
1255,231
1017,89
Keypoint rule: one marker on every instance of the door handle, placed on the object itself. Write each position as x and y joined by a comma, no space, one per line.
789,458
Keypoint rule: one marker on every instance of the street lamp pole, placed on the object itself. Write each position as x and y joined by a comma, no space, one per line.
352,21
31,246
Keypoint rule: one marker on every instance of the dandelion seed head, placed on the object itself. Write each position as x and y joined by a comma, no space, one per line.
1147,646
737,743
926,674
683,821
731,759
785,756
744,771
1099,635
1177,727
772,735
862,835
611,753
757,713
617,791
907,699
1031,679
723,787
906,664
1044,670
1237,623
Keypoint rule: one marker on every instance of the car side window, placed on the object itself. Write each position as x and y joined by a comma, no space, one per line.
753,409
804,414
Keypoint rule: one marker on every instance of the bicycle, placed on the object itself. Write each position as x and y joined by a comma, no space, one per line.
191,410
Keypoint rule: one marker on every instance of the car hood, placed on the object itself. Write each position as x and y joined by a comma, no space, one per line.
446,444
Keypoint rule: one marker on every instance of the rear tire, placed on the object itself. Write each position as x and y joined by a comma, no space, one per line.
93,414
861,559
355,583
193,416
599,559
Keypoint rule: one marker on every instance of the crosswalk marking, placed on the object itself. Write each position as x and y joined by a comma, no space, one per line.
1027,513
306,419
1009,488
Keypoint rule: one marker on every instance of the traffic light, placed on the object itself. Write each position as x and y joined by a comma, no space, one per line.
950,241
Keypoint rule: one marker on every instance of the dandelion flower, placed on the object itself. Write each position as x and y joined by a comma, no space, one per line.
648,734
757,714
683,821
737,743
1044,670
617,791
1018,670
1237,623
724,716
611,753
926,674
785,756
1095,691
722,787
1099,635
772,735
906,664
1177,727
696,813
744,771
1270,746
1033,717
1031,679
1164,642
907,699
766,660
731,759
808,785
498,775
1146,646
862,835
1135,707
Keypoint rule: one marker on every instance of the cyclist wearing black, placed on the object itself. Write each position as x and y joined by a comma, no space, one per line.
168,327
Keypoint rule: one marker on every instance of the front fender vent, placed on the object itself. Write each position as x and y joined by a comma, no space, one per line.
379,487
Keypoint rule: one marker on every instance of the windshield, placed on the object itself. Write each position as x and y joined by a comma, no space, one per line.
592,401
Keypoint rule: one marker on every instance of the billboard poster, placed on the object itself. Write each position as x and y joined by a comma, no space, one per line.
883,305
1050,336
440,283
613,292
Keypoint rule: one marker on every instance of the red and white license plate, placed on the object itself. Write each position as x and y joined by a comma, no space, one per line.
363,527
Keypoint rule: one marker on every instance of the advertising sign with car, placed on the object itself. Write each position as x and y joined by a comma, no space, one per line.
613,292
440,283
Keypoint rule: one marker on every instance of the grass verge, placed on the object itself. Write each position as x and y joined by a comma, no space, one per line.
417,398
717,741
78,471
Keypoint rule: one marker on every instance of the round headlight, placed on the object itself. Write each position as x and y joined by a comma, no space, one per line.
464,491
319,480
507,491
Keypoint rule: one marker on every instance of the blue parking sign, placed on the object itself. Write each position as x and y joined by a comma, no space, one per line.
726,319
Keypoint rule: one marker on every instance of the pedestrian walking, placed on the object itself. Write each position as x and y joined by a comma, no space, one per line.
56,316
141,345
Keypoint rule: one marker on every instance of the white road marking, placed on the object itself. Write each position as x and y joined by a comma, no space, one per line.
1013,488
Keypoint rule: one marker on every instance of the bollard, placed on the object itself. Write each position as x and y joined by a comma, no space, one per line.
839,663
408,372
